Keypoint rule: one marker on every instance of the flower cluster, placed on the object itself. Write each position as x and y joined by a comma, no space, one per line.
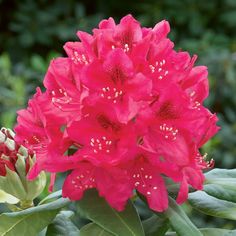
15,163
121,111
8,151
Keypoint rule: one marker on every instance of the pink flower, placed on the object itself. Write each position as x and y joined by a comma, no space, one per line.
99,139
113,183
147,180
39,129
122,111
63,89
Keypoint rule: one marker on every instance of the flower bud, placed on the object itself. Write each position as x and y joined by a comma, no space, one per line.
15,163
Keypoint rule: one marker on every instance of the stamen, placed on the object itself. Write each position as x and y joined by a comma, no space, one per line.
112,94
159,66
168,131
101,144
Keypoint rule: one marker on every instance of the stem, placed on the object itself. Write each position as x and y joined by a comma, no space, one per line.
13,208
24,204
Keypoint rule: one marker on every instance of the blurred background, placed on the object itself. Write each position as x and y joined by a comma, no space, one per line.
33,32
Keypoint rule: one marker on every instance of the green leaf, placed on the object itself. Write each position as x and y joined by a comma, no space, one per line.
221,183
51,196
30,221
122,223
229,182
209,205
7,198
221,192
223,177
211,232
59,203
43,232
30,224
221,173
12,184
93,229
155,226
172,187
62,225
180,221
218,232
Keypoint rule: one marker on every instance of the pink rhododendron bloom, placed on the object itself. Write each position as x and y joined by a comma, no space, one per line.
122,112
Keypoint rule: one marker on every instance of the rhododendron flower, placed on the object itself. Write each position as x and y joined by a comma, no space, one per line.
15,163
122,111
8,151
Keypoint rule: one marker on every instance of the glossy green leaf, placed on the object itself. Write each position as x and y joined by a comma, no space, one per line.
209,205
172,187
180,221
122,223
222,177
62,225
155,226
12,184
30,221
227,182
93,229
220,173
43,232
221,192
7,198
29,224
222,181
211,232
59,203
221,184
51,196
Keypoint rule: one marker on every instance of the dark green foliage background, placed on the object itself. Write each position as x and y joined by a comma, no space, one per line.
33,32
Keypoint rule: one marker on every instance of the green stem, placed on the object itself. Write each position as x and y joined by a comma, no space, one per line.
13,208
24,204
